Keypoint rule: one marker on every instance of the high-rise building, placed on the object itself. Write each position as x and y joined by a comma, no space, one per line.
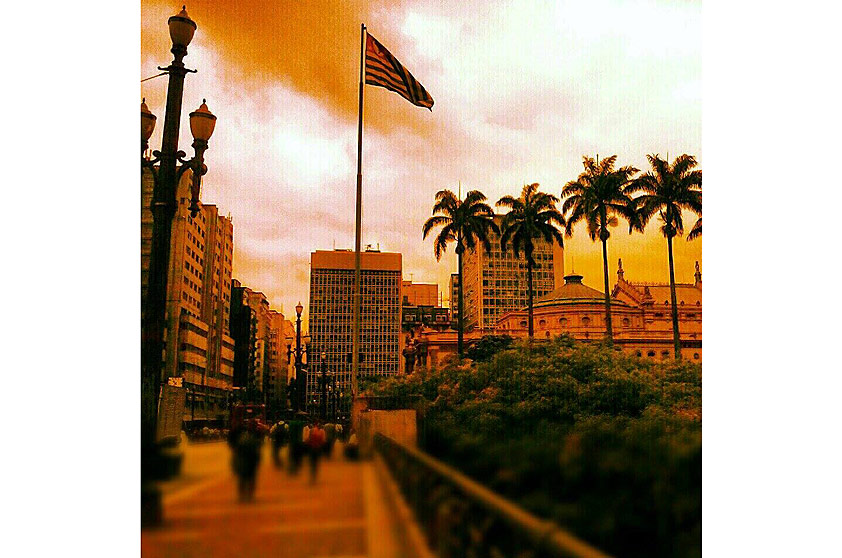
419,294
276,386
496,283
260,358
331,316
198,346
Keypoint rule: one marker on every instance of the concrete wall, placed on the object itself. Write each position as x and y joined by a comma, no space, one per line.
399,425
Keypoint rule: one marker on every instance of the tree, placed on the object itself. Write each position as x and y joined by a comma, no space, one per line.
531,217
696,231
598,196
464,222
668,190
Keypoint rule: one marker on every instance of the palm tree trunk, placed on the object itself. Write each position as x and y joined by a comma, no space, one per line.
609,334
529,294
675,336
461,320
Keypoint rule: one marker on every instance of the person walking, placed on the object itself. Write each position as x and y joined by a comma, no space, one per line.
330,435
296,443
352,447
316,441
246,441
279,433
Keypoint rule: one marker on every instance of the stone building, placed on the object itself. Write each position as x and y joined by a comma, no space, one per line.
641,316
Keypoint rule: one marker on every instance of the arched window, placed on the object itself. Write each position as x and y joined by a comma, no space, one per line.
665,354
695,356
523,323
548,335
586,321
626,322
562,322
542,323
638,354
650,354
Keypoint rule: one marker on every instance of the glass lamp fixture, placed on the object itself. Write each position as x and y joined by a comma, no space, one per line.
147,121
202,122
181,28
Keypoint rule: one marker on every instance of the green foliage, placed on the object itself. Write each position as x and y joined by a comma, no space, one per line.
488,346
606,444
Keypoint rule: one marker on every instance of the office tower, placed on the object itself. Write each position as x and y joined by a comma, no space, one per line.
331,317
419,294
496,283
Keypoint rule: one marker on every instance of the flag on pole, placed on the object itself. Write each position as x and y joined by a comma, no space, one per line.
384,70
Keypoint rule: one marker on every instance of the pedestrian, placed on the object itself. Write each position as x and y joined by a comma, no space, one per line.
245,442
296,444
316,440
352,448
330,435
279,433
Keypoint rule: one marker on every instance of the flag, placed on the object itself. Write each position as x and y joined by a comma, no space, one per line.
384,70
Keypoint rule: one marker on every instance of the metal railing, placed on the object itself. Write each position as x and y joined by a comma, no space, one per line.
463,519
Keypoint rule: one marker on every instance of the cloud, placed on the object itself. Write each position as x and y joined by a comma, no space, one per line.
522,89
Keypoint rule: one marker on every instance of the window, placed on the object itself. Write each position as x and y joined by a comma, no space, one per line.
695,356
650,354
563,322
626,322
586,321
638,354
543,323
665,354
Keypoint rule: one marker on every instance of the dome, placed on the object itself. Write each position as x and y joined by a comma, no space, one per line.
574,292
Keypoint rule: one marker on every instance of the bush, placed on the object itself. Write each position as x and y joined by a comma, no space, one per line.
605,444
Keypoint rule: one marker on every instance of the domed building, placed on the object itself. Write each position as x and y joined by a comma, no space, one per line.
641,315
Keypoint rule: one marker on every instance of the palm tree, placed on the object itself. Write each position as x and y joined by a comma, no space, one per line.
696,231
465,222
532,216
668,190
598,197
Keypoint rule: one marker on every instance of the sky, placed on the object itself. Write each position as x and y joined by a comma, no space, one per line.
522,89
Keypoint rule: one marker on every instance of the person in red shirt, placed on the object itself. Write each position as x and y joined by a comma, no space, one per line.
316,441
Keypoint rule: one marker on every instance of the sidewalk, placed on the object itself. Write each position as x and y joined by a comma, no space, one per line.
342,515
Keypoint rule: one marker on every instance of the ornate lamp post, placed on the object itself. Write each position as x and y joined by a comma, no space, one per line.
300,385
166,177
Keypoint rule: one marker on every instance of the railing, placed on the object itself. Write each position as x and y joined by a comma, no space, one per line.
463,519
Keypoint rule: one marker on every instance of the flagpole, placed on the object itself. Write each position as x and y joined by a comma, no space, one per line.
355,346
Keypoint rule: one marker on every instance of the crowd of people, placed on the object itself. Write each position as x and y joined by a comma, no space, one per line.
303,436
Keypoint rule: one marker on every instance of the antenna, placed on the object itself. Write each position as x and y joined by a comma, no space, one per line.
460,190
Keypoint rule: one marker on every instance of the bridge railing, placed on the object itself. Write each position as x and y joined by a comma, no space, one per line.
461,518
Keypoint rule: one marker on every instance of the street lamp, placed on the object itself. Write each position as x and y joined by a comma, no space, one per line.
166,177
300,402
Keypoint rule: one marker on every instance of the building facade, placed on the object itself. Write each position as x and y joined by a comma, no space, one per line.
641,316
419,294
331,318
198,345
454,298
496,283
